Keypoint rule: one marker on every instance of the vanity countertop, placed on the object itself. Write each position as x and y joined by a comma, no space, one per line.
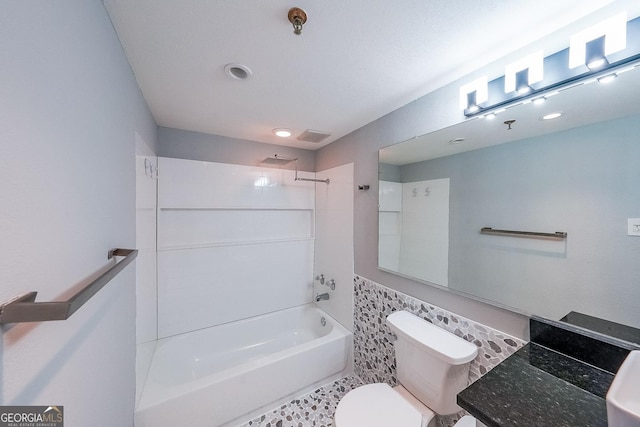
537,387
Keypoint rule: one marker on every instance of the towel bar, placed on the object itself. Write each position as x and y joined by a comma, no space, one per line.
557,235
23,308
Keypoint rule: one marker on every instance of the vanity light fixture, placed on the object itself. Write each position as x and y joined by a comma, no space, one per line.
594,56
282,133
591,46
472,102
522,82
612,44
473,94
520,75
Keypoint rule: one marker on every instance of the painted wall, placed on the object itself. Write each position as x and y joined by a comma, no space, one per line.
182,144
68,116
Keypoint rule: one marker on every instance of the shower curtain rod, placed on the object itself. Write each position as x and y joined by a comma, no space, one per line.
326,181
295,160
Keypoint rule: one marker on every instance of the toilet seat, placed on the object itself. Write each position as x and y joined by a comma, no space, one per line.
377,405
467,421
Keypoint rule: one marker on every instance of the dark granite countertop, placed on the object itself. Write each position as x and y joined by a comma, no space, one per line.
603,326
539,387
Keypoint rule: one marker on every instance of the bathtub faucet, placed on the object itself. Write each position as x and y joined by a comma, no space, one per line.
322,297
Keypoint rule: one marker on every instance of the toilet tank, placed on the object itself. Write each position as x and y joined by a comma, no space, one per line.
431,363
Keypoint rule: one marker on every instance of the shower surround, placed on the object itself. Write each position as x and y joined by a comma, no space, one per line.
236,251
229,234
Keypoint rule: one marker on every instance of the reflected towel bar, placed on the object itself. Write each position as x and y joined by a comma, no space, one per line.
23,308
557,235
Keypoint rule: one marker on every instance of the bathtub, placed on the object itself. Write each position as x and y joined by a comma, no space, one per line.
213,376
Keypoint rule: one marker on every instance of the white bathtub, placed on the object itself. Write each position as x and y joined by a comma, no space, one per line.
215,375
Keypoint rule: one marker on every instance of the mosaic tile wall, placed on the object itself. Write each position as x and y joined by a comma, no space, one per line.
374,359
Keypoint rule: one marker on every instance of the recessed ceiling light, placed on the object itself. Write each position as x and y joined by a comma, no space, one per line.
238,71
456,141
551,116
282,133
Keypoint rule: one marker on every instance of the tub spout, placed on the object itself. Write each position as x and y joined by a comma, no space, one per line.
322,297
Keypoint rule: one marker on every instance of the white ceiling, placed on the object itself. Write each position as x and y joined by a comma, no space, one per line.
354,62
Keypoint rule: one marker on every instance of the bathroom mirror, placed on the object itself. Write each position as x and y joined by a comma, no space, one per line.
577,174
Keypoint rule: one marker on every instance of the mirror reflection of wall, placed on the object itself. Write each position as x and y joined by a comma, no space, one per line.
414,229
389,225
582,181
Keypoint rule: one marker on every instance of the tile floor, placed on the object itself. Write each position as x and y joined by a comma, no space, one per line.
315,409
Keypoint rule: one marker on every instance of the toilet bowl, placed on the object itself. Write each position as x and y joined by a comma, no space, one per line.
432,367
379,405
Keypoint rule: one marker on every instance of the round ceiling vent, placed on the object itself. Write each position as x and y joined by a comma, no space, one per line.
237,71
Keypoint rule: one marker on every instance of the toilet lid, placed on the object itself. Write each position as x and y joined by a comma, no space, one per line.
376,405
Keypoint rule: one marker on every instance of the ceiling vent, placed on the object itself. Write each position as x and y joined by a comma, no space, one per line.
312,136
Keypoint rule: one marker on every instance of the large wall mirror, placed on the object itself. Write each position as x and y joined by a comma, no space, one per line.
577,174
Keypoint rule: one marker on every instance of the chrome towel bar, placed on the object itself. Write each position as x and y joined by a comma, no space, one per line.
559,235
23,308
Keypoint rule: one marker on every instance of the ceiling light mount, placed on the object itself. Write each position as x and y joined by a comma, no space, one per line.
298,18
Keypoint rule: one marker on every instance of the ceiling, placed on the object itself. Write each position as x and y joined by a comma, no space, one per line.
354,62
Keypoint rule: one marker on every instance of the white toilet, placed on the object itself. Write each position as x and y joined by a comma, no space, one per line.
432,367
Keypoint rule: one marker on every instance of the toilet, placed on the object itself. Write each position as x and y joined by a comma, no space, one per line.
432,368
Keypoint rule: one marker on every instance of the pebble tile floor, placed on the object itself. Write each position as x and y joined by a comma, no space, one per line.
315,409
